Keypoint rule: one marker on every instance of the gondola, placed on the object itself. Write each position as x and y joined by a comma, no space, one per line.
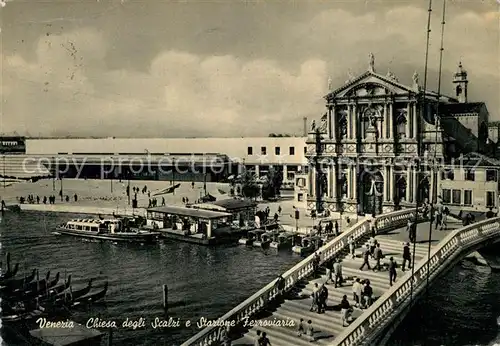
10,273
34,285
14,284
90,298
75,295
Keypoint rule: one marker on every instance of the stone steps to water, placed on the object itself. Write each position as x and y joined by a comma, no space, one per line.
329,324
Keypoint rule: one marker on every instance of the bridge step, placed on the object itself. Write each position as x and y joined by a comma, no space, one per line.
329,324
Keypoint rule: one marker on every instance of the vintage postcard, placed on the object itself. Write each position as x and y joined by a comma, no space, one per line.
228,172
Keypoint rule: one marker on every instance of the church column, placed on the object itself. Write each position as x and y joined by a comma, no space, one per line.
349,121
355,182
312,180
333,122
409,121
333,181
355,122
391,121
386,122
387,190
391,184
415,186
415,120
349,185
408,185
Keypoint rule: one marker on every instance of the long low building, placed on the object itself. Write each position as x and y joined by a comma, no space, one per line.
193,159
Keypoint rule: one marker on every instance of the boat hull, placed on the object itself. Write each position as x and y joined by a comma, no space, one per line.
245,241
302,250
118,237
280,246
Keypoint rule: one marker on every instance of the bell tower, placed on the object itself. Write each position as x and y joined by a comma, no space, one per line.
460,82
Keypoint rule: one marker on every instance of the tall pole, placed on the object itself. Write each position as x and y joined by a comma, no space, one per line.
53,175
437,124
419,146
62,193
4,170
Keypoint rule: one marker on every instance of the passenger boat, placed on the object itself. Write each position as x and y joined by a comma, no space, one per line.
251,237
282,241
306,244
106,229
263,239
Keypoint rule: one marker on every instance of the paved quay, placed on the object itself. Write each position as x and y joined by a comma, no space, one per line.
329,325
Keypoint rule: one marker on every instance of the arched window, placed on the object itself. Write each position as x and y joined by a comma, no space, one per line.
343,125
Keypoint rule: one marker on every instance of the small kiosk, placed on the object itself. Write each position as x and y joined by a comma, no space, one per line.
242,211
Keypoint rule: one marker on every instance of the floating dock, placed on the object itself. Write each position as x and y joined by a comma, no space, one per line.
78,335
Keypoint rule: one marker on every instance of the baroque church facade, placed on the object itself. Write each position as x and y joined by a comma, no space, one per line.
375,147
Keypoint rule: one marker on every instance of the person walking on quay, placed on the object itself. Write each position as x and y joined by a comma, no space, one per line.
350,241
279,210
366,257
437,216
75,197
314,296
444,219
337,271
163,201
406,256
345,307
392,271
377,254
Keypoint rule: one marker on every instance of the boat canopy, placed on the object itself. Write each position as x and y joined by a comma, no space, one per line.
191,212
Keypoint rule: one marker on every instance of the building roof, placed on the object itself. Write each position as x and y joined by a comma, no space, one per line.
461,108
479,160
183,211
233,203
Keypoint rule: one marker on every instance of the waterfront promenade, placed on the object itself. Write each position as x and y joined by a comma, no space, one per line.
328,326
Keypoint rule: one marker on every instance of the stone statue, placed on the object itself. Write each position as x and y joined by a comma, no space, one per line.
330,84
313,125
415,80
372,62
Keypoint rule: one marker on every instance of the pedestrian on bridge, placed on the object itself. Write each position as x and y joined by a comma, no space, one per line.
345,308
315,263
392,271
377,255
406,256
337,270
366,257
357,289
264,341
314,296
351,243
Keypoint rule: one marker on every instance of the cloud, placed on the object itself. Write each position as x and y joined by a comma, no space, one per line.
68,89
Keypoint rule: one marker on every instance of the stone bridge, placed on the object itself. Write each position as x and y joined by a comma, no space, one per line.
370,326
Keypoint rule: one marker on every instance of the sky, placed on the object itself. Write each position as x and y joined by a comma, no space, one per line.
155,68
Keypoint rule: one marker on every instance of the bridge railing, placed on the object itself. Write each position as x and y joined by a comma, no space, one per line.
258,301
365,328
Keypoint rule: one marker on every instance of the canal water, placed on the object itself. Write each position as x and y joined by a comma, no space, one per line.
202,281
462,308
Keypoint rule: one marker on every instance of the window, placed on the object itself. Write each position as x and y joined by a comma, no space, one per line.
301,182
469,175
467,197
446,196
447,174
250,151
277,151
263,150
300,197
291,151
490,199
491,175
305,150
457,197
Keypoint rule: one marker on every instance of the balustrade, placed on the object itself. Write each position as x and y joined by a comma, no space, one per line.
380,314
257,301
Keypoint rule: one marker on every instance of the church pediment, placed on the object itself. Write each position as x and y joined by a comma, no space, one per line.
369,84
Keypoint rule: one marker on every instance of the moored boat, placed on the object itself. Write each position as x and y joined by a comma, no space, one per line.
305,244
106,229
264,239
282,241
251,237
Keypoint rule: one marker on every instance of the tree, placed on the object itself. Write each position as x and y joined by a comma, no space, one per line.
272,185
249,186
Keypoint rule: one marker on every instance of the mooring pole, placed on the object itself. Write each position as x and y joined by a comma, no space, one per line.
110,337
165,297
